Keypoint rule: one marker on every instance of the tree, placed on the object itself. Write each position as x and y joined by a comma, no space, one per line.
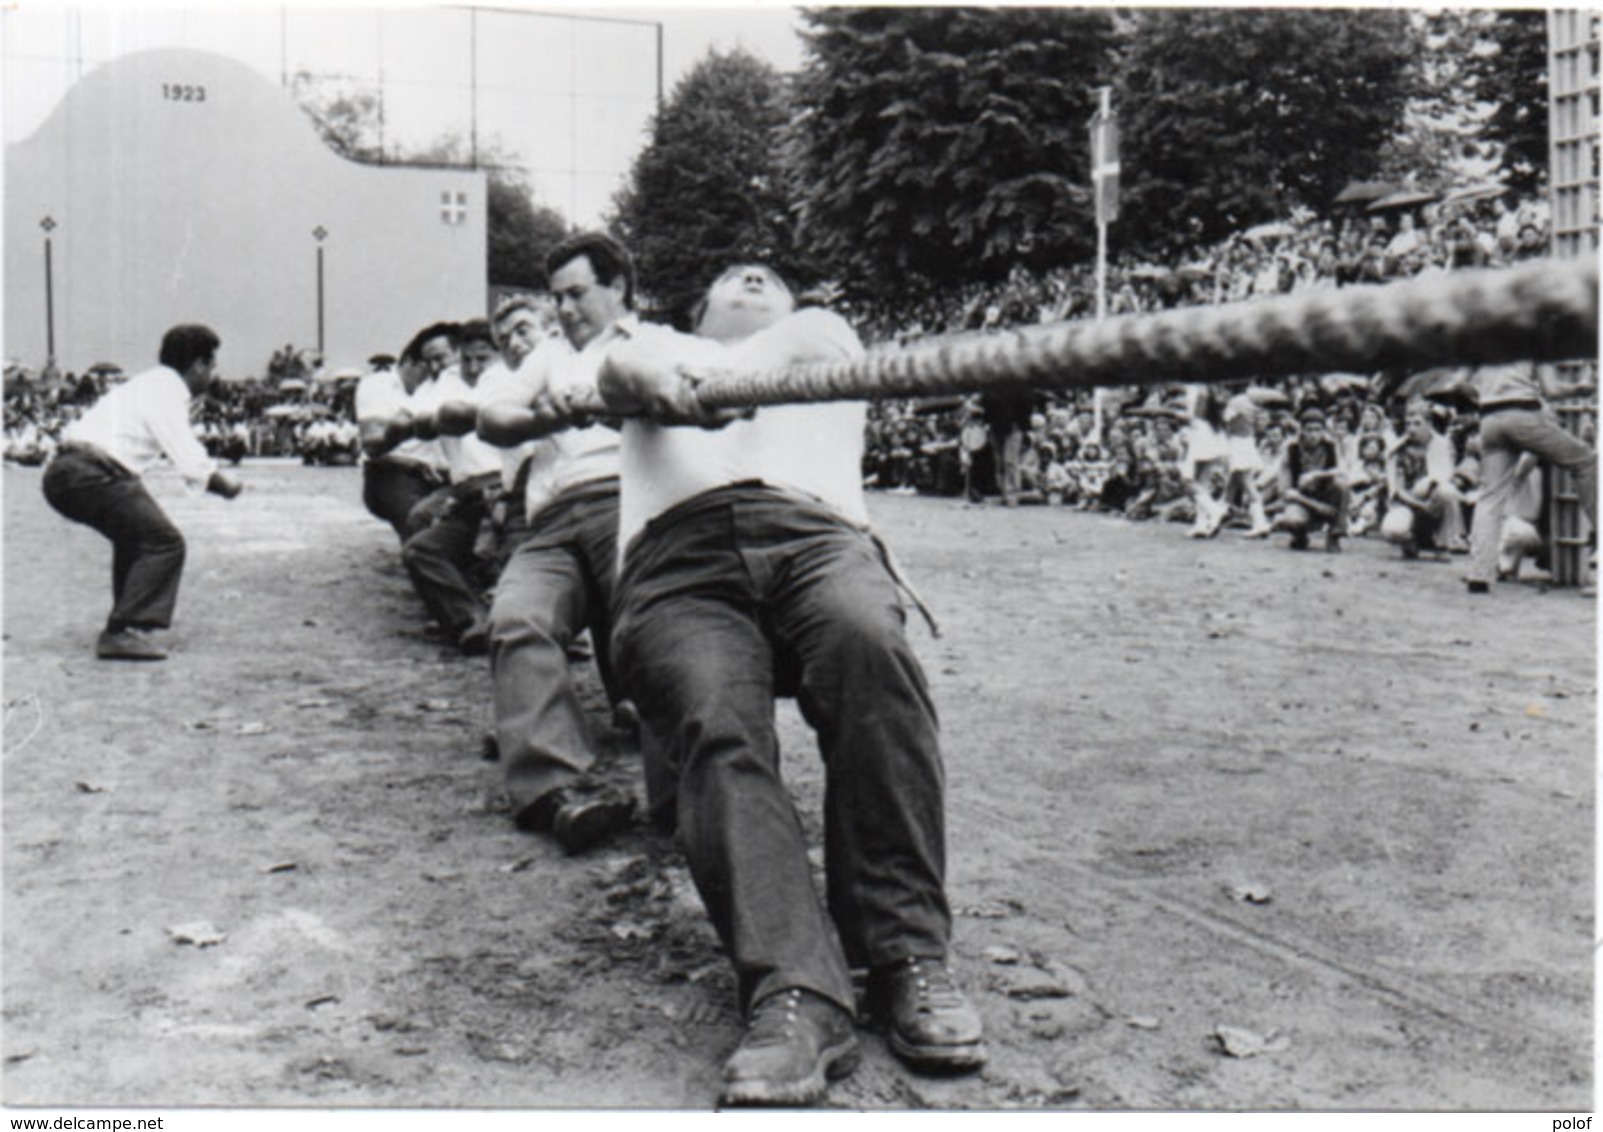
1441,142
520,230
348,116
707,189
1510,73
938,147
1234,116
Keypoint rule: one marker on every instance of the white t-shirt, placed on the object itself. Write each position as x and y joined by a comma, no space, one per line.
816,449
381,396
500,384
143,420
466,456
568,459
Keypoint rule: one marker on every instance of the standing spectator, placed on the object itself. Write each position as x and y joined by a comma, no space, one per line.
96,478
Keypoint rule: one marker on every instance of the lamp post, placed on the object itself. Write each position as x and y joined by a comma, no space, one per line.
321,234
49,226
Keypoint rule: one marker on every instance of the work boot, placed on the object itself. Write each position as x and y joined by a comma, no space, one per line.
796,1043
579,815
930,1023
128,644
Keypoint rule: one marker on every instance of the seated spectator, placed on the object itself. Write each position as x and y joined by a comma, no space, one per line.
1090,470
1426,510
1368,481
1205,467
1313,486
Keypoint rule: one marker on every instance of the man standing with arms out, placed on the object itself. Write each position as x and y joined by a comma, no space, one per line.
749,572
96,478
1515,419
558,580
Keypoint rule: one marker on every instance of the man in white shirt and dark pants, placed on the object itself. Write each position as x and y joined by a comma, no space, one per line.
748,571
559,579
96,478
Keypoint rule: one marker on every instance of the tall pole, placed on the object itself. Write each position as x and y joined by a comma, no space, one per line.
49,225
1098,160
473,85
321,234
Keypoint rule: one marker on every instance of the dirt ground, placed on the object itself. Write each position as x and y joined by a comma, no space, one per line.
1231,827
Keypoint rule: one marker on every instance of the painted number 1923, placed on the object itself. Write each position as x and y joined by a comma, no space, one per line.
183,92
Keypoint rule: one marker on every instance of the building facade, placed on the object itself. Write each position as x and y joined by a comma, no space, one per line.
180,186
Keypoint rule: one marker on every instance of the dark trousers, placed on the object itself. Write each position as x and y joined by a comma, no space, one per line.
556,583
147,560
391,488
443,561
724,602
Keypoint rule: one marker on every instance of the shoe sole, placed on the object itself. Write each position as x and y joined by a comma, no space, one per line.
938,1059
130,656
834,1063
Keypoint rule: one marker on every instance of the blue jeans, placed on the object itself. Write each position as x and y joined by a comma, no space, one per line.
725,601
1504,435
147,562
557,582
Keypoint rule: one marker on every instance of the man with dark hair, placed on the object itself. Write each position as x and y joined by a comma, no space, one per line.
399,470
748,571
1313,485
558,580
442,558
96,478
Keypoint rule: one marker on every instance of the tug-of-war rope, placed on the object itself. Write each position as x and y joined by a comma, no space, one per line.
1543,310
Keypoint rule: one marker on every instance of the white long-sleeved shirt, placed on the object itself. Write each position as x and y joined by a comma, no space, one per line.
144,420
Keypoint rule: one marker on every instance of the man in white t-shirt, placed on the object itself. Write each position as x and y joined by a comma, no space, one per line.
97,478
442,558
399,470
558,580
748,571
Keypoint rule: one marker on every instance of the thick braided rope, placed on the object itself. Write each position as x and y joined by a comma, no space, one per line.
1541,310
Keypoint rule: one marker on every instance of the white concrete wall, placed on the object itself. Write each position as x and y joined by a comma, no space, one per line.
186,188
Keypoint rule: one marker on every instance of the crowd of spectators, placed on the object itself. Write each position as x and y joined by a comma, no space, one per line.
311,418
1134,451
1147,451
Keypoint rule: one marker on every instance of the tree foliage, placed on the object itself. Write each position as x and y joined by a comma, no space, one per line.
348,116
1509,72
707,189
1234,116
938,146
520,230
